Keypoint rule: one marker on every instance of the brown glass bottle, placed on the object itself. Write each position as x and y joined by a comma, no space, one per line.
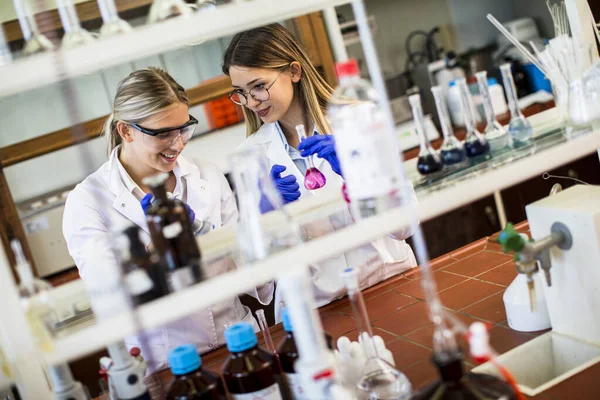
455,384
250,372
143,273
173,236
191,381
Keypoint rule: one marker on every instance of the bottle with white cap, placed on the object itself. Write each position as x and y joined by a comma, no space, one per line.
64,386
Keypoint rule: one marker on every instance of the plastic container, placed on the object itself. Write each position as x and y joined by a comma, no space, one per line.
518,308
499,104
190,381
250,372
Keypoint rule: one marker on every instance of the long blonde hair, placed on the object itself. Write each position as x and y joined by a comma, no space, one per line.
142,94
274,47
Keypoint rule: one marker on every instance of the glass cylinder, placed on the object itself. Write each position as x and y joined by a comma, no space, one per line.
75,35
452,151
494,131
164,9
112,23
519,128
34,40
428,161
475,144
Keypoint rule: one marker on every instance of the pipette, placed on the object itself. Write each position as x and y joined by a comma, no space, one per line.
313,179
264,328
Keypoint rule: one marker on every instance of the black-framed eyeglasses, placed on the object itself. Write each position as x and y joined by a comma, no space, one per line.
165,137
258,93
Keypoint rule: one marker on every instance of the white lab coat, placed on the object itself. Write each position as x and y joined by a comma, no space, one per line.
102,204
376,261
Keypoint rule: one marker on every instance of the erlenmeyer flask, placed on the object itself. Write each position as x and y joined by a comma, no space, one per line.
112,23
519,128
165,9
75,35
452,151
475,143
313,179
428,161
494,132
258,235
34,40
379,380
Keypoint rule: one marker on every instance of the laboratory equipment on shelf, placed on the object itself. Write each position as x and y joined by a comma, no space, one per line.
494,132
452,151
5,54
173,236
249,371
206,5
75,35
259,235
519,128
126,374
112,23
475,143
190,380
34,40
313,179
143,274
367,149
64,386
428,161
161,10
379,380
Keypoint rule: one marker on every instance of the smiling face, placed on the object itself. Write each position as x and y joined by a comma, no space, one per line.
280,84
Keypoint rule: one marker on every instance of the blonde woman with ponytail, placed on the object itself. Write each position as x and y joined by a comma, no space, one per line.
279,88
147,131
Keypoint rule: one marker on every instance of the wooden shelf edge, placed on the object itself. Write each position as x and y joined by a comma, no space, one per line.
63,138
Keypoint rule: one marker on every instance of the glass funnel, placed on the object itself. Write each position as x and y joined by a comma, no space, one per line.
75,35
519,128
494,132
313,179
112,23
428,161
475,143
452,151
379,380
34,40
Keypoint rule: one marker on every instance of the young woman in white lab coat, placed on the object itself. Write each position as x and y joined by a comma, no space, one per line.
147,131
279,88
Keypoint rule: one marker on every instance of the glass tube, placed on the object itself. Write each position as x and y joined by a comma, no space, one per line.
475,143
165,9
34,40
75,35
112,23
452,151
379,379
494,131
428,161
519,128
313,179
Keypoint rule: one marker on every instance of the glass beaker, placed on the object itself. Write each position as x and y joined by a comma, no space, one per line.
519,128
452,151
428,161
494,131
313,179
475,144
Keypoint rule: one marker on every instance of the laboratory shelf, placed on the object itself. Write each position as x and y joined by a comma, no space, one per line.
42,69
181,304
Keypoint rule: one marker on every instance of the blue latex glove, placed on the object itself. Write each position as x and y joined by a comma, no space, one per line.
287,186
324,147
147,201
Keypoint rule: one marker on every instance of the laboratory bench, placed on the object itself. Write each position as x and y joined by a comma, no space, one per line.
470,282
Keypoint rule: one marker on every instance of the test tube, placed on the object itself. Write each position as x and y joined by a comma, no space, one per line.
264,328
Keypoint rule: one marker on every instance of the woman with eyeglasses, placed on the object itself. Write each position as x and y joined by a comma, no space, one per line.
147,131
279,88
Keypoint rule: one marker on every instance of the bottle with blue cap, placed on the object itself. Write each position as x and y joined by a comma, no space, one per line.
191,381
250,372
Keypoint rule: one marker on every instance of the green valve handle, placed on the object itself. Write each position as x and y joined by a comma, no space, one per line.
510,239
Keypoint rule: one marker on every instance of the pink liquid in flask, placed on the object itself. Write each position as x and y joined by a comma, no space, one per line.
314,179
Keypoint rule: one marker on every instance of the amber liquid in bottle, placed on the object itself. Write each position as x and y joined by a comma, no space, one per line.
173,236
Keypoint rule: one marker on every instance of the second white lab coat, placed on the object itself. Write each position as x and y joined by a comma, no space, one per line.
376,261
102,204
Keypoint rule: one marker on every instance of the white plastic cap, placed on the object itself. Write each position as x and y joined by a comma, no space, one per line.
415,100
436,89
350,276
479,340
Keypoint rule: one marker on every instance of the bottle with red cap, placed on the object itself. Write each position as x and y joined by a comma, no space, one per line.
365,146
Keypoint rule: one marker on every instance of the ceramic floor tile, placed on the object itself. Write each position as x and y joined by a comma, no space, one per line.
383,305
502,275
505,339
385,287
478,263
337,324
443,280
468,250
437,264
406,320
490,309
467,293
423,336
407,354
421,374
494,246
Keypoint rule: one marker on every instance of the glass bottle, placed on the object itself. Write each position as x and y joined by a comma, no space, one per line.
379,380
367,150
64,386
75,35
494,132
428,161
519,128
111,22
144,275
452,151
34,40
190,380
165,9
5,54
249,371
475,144
313,179
173,236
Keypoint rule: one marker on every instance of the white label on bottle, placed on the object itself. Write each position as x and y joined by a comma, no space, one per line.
293,382
173,230
138,282
270,393
181,278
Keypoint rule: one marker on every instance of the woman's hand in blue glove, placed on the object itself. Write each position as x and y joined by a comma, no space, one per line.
146,202
324,147
287,186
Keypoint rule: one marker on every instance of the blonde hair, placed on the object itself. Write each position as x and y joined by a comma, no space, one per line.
142,94
274,47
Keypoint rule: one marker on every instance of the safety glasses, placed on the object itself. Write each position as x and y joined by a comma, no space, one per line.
166,137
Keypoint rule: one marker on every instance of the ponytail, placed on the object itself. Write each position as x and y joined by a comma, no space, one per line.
113,138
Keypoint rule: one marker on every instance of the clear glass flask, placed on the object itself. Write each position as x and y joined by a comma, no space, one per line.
519,128
452,151
112,23
34,40
379,380
428,161
494,132
475,144
313,179
165,9
75,35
